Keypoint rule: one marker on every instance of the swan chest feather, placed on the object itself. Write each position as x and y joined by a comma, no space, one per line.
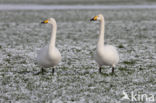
48,58
107,55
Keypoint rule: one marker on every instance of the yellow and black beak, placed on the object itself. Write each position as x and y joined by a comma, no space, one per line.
44,22
94,18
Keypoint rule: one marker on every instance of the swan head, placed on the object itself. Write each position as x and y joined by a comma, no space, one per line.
49,21
97,18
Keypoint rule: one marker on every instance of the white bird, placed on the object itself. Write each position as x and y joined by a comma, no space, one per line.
105,54
49,56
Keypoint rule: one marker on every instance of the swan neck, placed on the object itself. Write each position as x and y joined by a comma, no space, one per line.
101,35
53,35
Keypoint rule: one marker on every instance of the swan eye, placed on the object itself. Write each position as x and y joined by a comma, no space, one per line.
45,22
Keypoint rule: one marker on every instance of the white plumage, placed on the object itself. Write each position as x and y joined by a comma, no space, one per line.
105,54
49,56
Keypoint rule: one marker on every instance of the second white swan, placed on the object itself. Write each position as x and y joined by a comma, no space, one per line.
105,54
49,56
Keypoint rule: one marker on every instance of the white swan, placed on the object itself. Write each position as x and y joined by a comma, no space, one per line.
105,54
49,56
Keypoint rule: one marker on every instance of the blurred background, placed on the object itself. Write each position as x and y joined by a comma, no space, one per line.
59,2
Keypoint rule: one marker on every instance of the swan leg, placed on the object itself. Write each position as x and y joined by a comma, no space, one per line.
99,69
112,70
40,72
53,70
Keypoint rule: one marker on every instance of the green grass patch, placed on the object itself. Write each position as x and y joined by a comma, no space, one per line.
132,62
121,46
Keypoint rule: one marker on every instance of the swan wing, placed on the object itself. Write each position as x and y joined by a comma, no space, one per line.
111,53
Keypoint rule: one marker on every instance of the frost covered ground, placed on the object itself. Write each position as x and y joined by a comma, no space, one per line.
76,79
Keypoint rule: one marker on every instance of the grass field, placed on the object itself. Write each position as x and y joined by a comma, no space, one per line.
76,79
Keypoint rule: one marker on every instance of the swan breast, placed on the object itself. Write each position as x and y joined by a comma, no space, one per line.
48,58
107,55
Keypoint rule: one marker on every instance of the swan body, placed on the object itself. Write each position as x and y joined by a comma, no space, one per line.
49,56
105,54
46,59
